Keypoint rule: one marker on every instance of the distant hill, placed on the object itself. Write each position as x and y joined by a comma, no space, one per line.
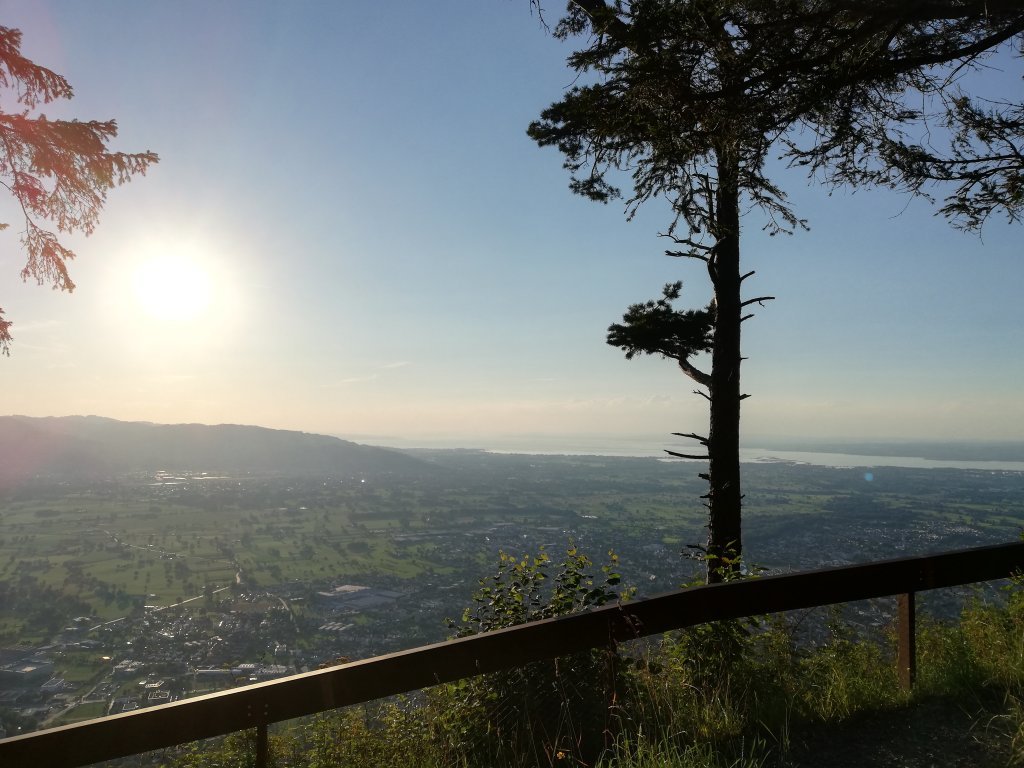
91,445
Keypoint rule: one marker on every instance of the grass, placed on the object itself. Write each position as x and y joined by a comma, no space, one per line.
86,711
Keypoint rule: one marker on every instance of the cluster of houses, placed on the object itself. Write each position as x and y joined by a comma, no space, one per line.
163,655
28,683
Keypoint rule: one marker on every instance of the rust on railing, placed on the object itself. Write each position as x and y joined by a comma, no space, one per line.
258,705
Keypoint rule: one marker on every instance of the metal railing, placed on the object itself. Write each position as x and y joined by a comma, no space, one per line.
256,706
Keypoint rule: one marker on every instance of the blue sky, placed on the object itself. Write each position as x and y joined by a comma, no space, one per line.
384,253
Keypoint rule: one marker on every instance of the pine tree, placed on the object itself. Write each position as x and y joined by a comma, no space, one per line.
684,100
58,171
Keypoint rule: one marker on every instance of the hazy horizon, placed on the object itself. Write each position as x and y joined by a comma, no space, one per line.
474,440
98,431
479,440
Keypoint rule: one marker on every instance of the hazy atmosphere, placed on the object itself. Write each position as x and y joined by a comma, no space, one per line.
349,232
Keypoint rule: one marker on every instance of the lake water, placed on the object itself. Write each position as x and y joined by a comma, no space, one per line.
855,460
653,446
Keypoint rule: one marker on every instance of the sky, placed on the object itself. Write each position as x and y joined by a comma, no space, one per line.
350,233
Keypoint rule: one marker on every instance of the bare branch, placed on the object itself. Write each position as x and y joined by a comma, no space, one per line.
692,436
540,14
686,255
685,455
758,300
687,241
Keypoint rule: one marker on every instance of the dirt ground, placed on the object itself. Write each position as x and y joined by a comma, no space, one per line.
939,733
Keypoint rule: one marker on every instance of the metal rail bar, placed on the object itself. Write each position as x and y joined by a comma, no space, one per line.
366,680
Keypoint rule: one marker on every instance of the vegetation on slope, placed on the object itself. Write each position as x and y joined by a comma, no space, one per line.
775,692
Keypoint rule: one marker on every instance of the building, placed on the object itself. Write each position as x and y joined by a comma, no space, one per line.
27,672
53,685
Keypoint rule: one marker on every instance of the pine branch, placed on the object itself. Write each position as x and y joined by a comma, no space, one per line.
57,171
686,255
604,20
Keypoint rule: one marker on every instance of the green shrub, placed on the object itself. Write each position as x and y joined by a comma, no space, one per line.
554,711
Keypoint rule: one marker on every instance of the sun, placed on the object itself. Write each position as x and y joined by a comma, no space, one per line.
173,288
173,296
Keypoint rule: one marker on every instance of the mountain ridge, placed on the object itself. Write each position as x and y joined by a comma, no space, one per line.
84,446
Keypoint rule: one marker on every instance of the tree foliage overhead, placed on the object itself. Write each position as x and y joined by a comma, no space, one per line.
832,84
926,129
57,171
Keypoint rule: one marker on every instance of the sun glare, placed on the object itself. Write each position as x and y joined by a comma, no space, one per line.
173,289
169,297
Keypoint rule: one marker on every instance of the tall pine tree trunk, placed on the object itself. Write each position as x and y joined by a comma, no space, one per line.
724,495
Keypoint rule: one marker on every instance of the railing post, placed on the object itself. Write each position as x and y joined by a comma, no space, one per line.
906,653
261,745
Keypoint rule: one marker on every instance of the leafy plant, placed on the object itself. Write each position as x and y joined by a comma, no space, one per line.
548,712
517,592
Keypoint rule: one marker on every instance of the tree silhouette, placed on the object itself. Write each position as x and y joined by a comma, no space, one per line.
685,100
656,328
58,171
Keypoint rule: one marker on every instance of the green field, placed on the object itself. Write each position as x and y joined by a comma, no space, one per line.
106,550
